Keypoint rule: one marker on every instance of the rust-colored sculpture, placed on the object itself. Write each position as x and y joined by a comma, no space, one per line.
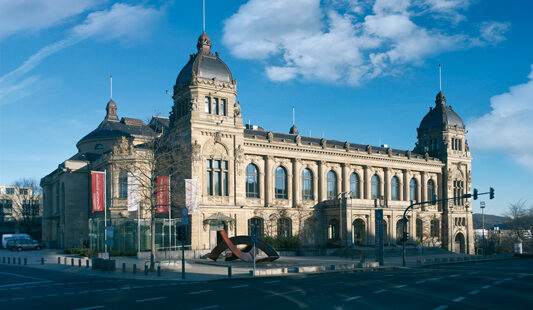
246,253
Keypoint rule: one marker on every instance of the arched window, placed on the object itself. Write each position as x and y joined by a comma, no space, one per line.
123,184
435,231
284,227
252,182
395,188
354,186
333,230
359,232
258,223
332,185
413,189
307,185
376,187
431,189
281,183
99,147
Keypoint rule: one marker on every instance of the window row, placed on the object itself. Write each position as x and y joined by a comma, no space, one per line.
215,106
6,207
257,223
457,144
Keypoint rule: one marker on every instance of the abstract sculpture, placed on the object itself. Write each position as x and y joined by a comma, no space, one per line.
246,253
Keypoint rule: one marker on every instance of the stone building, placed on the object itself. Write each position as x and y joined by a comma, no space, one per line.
286,184
20,210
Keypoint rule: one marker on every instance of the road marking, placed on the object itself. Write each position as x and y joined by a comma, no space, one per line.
334,283
18,298
26,277
507,279
380,291
458,299
150,299
35,297
454,275
69,293
96,291
400,286
421,281
435,279
208,307
16,288
474,292
95,307
112,289
441,307
273,281
26,283
139,286
125,288
285,293
486,286
238,286
352,298
496,282
200,292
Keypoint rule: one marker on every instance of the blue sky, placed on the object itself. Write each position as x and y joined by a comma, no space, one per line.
361,71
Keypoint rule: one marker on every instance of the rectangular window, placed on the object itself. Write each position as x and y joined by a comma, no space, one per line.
23,191
225,165
217,177
225,182
223,107
217,183
207,105
10,190
6,206
215,106
217,164
209,183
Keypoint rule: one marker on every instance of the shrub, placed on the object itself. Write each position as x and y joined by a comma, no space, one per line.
81,251
283,243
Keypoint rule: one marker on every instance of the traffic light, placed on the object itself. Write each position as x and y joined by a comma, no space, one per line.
491,193
434,199
182,233
405,236
475,193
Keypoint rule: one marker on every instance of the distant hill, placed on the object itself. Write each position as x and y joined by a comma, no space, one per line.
490,220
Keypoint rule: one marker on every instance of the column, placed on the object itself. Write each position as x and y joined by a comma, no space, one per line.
321,181
365,193
386,184
423,186
290,186
345,178
296,183
268,181
406,186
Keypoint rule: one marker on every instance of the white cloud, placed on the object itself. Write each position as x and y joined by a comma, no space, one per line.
33,15
508,126
121,22
346,41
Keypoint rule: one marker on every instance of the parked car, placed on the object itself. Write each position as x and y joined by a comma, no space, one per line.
23,244
6,237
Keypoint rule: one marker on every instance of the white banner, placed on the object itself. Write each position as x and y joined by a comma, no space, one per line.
133,191
191,195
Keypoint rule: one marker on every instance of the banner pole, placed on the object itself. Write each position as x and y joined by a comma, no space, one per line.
105,211
169,220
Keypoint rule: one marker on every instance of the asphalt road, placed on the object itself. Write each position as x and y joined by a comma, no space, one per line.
504,284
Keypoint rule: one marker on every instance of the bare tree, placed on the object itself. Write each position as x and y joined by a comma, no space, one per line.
26,204
521,222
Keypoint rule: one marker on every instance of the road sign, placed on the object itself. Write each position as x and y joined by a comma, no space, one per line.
481,203
185,221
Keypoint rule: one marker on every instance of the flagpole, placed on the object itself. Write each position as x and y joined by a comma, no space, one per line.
105,211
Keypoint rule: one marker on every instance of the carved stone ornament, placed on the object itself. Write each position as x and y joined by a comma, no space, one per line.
270,136
237,109
323,142
389,152
369,149
426,156
123,146
409,154
298,140
196,151
347,145
194,104
239,154
218,137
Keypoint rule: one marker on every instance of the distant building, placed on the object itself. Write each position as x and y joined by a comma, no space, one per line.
285,184
20,210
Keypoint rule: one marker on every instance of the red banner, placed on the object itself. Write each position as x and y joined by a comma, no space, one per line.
98,190
162,194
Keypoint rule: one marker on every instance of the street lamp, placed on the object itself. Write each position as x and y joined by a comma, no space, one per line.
482,206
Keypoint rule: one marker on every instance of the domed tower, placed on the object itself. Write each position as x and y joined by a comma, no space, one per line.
207,131
442,134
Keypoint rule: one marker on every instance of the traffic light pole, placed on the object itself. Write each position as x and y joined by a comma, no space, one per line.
434,202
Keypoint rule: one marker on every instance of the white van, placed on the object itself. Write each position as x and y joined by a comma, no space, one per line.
5,237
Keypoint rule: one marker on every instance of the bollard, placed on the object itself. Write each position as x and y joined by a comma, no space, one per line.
14,260
25,261
145,270
19,260
123,267
42,260
229,271
66,261
332,267
9,260
158,271
72,261
3,260
87,263
134,268
58,260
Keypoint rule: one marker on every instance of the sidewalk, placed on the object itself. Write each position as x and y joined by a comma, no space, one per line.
205,269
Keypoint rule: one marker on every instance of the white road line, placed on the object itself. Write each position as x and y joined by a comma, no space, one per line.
26,277
507,279
441,307
435,279
285,293
150,299
112,289
352,298
421,281
273,281
208,307
199,292
95,307
486,286
496,282
139,286
458,299
380,291
473,292
238,286
454,275
26,283
400,286
125,288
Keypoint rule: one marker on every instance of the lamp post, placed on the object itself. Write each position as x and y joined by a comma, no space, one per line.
340,214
